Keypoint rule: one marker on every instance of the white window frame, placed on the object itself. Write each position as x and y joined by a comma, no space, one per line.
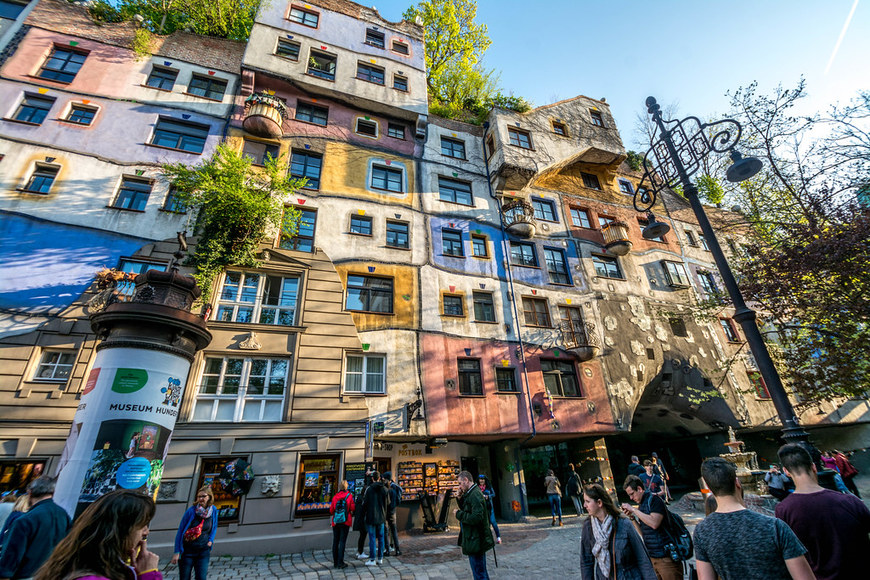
365,375
241,399
676,274
53,366
235,304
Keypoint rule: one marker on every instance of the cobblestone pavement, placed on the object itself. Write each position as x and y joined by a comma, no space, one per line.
529,550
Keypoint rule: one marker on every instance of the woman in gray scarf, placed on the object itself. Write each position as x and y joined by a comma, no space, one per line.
610,548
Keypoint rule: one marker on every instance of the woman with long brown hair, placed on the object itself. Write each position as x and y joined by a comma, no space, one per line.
107,542
610,547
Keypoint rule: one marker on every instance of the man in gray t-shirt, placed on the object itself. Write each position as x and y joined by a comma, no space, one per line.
737,544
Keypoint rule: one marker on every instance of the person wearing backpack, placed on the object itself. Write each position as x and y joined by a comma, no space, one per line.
574,489
341,508
391,536
652,515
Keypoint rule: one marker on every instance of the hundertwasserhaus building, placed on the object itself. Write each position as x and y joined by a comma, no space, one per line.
457,296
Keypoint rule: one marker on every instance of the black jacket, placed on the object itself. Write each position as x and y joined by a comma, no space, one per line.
395,498
32,539
376,503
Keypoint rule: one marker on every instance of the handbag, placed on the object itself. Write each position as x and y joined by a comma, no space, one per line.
193,532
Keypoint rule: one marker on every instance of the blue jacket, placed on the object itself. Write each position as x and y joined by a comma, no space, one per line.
32,539
187,521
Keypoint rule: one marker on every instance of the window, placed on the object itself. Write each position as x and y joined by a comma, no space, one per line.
366,127
758,384
401,47
397,235
133,194
81,114
206,86
302,16
506,380
557,266
580,218
387,179
675,272
241,389
544,210
62,65
259,152
287,49
162,78
490,146
17,475
375,38
395,131
33,109
573,328
400,83
451,243
560,379
470,380
322,65
643,223
606,266
519,138
10,9
370,73
369,294
729,330
307,165
173,202
604,221
708,282
625,187
484,308
312,113
560,129
455,191
690,238
597,120
523,254
703,242
536,312
128,287
453,148
479,247
453,305
361,225
174,134
258,298
365,373
54,365
591,181
42,178
303,241
678,327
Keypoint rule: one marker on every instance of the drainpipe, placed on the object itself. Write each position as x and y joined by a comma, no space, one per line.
525,372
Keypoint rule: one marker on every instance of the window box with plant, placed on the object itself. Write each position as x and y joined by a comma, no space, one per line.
264,115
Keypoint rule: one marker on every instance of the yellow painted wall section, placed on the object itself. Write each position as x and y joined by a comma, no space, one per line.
405,295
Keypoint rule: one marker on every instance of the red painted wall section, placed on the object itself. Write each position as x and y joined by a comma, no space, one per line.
493,413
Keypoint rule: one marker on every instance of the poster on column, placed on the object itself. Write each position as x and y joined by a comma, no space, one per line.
125,426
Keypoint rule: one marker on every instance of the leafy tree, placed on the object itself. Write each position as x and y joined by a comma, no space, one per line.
237,206
809,251
222,18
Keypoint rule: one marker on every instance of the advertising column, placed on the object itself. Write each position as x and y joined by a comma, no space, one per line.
120,435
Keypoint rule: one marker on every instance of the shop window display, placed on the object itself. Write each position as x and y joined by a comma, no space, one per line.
227,505
317,483
16,475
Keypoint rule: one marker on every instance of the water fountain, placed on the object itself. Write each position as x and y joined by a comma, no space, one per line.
751,478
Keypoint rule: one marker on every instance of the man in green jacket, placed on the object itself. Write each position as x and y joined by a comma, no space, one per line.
474,535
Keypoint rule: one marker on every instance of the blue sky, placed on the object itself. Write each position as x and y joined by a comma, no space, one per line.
685,51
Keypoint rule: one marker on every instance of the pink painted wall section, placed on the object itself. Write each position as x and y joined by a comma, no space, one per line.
450,413
341,123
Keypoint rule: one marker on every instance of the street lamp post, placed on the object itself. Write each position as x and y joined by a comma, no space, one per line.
673,159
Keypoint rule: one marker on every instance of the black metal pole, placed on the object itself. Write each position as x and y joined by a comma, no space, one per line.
792,432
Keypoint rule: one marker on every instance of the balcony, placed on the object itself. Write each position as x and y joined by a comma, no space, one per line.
519,218
580,339
616,238
264,115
